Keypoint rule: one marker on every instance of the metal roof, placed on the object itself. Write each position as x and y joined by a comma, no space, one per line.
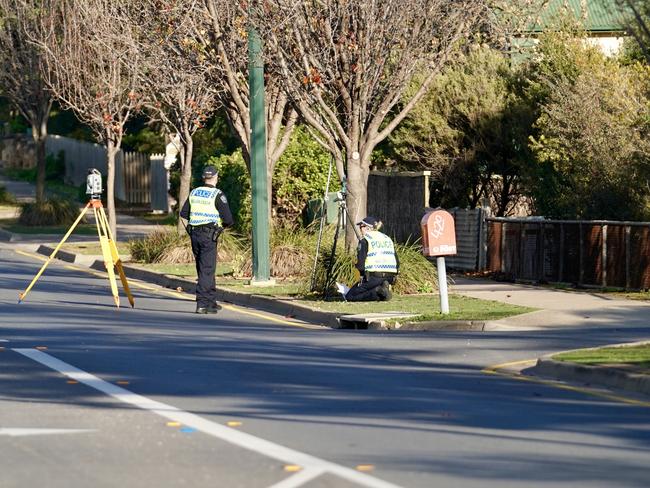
597,15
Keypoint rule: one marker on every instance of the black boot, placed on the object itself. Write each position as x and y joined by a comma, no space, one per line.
214,308
383,292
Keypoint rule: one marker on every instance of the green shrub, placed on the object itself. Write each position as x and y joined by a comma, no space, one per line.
300,175
235,183
53,211
5,196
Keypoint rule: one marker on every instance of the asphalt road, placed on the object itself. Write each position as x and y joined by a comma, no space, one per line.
157,396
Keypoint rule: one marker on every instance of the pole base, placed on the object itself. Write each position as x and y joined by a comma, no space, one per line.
269,282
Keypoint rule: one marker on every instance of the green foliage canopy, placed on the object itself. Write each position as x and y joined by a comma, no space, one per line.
591,142
470,131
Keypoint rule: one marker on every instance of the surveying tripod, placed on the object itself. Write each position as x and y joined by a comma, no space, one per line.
109,251
342,219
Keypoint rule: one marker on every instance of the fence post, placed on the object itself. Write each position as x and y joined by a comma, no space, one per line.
603,239
540,260
522,249
482,239
503,245
628,231
560,272
581,271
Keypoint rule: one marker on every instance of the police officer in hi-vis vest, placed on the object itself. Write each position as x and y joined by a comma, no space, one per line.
377,263
208,213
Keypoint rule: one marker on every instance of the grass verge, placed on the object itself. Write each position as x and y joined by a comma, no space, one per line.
426,307
94,248
182,270
637,356
12,226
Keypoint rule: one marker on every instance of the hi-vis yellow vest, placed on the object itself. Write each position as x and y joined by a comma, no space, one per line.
381,253
202,206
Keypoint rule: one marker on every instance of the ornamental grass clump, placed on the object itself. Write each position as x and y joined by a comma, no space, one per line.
289,254
417,274
152,247
166,245
53,211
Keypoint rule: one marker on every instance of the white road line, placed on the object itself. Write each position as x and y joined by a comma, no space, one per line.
299,479
247,441
19,432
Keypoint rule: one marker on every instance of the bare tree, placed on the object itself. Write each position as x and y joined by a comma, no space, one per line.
346,65
92,66
227,38
177,76
20,74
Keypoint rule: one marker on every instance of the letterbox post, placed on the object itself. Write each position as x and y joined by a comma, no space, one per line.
442,285
439,239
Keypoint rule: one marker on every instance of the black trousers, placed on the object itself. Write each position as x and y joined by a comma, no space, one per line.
205,255
366,289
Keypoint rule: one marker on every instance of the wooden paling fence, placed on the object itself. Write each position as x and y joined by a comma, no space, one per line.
589,253
140,179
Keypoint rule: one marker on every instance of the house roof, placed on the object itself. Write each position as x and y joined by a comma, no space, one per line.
599,16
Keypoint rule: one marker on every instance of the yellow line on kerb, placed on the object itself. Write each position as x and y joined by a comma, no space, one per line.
500,370
177,294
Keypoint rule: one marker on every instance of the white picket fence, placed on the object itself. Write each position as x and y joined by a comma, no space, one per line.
140,179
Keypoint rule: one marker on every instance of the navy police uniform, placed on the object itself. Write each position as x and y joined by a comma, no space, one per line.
207,212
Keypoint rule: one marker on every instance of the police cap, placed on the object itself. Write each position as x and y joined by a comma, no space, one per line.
369,222
209,172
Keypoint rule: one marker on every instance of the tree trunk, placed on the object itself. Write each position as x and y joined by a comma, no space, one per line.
357,200
186,175
110,187
39,141
39,134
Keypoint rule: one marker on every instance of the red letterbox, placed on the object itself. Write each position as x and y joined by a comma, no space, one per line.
438,233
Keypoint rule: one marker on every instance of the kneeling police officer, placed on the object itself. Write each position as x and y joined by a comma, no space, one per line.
208,213
377,263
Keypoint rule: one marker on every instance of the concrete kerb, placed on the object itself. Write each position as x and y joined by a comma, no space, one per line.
458,325
286,308
607,376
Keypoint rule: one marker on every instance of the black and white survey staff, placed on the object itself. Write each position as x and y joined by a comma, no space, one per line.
208,213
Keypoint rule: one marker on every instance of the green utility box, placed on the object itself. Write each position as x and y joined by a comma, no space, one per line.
315,207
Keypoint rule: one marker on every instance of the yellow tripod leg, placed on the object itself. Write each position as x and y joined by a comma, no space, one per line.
106,252
116,257
22,295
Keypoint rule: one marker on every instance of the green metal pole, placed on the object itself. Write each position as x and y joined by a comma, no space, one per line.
261,266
